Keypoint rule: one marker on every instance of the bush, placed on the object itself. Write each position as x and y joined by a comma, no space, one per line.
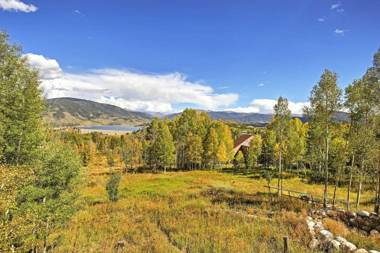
112,187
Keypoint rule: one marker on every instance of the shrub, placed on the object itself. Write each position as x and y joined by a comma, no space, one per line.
112,187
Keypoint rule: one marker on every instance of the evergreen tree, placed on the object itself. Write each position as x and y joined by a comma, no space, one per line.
112,187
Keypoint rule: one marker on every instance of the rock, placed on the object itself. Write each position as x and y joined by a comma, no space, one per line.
335,245
363,232
318,226
351,214
374,233
331,213
353,222
120,244
310,224
363,214
313,244
325,234
348,247
340,210
361,251
340,239
373,251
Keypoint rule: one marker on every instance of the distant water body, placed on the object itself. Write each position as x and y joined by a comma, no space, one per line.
113,128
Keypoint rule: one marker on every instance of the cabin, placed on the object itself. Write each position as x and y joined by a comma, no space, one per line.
242,144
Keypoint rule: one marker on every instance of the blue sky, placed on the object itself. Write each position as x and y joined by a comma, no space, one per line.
212,54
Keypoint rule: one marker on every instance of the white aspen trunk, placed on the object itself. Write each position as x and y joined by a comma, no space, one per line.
350,183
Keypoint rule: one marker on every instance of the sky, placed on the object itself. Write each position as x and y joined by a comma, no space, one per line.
164,56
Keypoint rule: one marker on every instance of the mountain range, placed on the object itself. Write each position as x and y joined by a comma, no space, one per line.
79,112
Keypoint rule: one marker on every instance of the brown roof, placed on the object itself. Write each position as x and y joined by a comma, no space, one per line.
243,140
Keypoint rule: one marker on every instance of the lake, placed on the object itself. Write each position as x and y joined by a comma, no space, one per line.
116,129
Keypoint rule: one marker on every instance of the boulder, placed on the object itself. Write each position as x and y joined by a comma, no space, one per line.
340,239
331,213
374,233
318,226
351,214
313,244
361,251
353,222
334,245
348,247
325,234
363,232
363,213
310,224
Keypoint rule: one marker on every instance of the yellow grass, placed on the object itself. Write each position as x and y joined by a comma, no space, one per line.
195,211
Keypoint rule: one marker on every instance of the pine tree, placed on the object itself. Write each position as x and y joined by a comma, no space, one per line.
112,187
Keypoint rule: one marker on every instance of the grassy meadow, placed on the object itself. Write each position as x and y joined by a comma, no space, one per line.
193,211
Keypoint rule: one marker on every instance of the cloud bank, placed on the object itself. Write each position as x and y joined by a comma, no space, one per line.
128,89
266,106
17,5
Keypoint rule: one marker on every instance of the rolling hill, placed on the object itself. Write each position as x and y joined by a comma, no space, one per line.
257,119
80,112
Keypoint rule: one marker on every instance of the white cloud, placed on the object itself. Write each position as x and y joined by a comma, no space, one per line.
335,6
321,20
77,12
48,68
266,106
17,5
339,31
261,85
130,90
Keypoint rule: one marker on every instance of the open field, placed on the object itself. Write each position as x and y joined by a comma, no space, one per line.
195,211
